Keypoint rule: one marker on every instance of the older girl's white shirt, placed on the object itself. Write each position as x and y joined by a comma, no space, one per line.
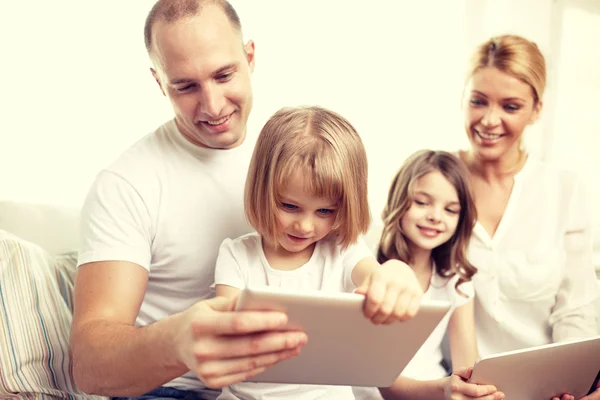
426,364
535,282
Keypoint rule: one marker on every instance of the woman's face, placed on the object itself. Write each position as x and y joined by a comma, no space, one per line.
497,110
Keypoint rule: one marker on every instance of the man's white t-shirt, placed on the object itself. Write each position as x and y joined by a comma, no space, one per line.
242,263
166,205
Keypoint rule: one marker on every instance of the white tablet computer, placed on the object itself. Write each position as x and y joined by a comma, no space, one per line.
344,347
542,372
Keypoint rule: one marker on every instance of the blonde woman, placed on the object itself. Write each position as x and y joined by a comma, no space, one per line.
306,196
532,241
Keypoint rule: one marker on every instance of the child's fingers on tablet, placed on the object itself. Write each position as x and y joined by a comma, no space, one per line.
374,295
411,302
405,308
401,311
364,287
388,307
413,307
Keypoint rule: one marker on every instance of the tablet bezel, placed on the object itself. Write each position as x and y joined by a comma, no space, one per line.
543,371
360,353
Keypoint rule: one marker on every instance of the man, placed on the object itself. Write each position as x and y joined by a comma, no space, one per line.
153,222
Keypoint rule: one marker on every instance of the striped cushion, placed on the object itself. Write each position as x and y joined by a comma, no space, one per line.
65,267
35,318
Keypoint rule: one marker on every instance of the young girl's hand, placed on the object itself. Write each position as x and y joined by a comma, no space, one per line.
392,292
456,387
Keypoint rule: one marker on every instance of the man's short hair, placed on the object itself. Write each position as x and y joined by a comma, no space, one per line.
173,10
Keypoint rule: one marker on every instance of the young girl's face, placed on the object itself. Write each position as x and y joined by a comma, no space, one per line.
303,218
499,107
434,212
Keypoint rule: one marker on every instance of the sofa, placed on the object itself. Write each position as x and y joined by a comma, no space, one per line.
37,268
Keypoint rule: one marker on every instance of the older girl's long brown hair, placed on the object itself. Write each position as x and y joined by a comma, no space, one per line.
450,258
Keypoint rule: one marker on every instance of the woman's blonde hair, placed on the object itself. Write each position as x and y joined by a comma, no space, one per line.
515,56
450,258
326,148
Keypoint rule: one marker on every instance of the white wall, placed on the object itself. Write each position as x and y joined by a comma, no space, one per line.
388,69
77,90
80,91
576,141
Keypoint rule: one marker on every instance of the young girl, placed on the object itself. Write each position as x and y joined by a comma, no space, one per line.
306,196
428,221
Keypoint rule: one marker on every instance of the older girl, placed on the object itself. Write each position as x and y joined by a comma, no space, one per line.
428,220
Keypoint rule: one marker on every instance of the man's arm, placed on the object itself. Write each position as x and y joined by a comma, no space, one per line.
110,355
113,357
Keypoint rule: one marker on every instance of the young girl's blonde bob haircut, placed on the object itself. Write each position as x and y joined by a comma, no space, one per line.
323,146
451,257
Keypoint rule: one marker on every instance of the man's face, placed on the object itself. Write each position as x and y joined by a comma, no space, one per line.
204,69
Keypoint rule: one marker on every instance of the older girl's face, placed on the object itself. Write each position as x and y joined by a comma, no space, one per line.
497,110
434,213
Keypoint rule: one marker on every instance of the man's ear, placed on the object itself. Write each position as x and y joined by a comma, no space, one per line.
155,75
249,48
535,115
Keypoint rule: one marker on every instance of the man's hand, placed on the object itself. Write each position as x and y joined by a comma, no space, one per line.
222,346
392,292
458,388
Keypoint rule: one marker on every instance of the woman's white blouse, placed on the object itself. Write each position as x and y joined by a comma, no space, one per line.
535,282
